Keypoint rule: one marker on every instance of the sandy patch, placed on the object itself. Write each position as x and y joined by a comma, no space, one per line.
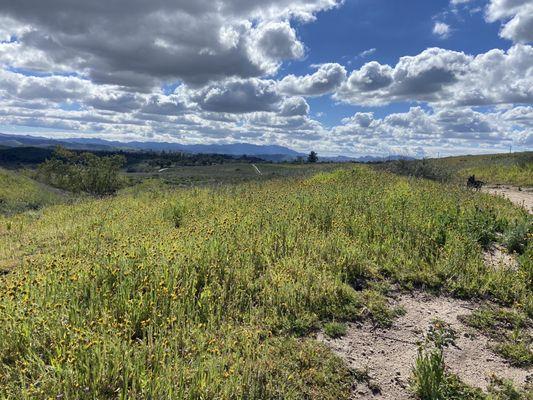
522,197
389,354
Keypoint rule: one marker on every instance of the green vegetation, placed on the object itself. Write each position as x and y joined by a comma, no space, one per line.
312,157
229,173
432,381
513,169
511,330
335,329
19,193
136,161
427,169
83,172
211,292
517,236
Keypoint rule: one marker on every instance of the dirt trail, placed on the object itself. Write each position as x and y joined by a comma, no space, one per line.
522,197
389,354
257,169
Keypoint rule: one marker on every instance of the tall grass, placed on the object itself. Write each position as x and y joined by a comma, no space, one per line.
207,293
19,193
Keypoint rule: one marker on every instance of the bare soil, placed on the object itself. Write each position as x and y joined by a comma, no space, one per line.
522,197
388,355
497,257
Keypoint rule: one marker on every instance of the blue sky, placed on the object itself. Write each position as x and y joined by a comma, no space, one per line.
394,29
346,77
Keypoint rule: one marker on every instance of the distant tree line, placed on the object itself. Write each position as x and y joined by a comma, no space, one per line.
31,156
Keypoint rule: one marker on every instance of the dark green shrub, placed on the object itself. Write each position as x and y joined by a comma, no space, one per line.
83,172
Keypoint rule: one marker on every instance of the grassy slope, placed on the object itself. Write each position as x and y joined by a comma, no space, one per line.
516,168
203,293
19,193
230,173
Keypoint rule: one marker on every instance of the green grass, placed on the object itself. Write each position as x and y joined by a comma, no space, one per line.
19,193
431,379
211,292
335,329
510,329
230,173
515,169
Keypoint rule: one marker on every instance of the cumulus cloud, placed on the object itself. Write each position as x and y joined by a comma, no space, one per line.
325,80
95,67
294,106
441,30
444,76
516,17
190,41
428,129
235,96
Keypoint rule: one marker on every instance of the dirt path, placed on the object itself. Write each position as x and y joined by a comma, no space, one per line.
257,169
522,197
389,354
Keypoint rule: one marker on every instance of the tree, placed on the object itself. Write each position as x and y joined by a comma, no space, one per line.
312,157
85,172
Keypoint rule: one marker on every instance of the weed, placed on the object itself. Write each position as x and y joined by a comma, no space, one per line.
509,329
122,304
503,389
335,329
517,236
431,380
517,347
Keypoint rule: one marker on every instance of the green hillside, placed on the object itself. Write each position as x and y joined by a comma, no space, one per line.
515,169
212,293
19,193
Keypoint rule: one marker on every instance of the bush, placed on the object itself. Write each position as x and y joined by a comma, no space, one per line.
83,172
517,236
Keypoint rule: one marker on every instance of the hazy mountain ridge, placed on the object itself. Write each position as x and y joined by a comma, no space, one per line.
273,153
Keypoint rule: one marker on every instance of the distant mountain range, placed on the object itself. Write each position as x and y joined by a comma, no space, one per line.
267,152
274,152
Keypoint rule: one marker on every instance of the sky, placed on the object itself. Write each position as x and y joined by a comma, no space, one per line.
353,77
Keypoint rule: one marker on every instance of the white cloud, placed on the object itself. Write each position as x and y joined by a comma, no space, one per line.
179,40
94,74
441,30
294,106
235,96
439,130
325,80
367,52
516,17
445,77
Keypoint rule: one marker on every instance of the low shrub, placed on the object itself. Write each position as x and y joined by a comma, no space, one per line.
335,329
517,236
